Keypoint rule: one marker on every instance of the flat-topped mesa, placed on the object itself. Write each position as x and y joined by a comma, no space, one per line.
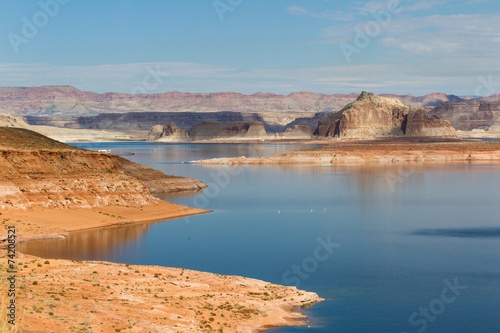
208,130
372,116
470,115
213,130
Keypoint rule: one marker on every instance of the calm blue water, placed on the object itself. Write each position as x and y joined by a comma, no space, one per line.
401,237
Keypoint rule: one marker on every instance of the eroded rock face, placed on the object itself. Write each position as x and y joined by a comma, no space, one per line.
467,116
421,124
372,116
8,121
68,100
329,126
214,130
167,132
155,133
66,106
207,130
36,171
299,131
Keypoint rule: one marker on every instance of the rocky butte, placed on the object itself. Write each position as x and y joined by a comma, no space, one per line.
371,116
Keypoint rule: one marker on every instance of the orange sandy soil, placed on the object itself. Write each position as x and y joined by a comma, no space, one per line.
39,223
382,151
68,296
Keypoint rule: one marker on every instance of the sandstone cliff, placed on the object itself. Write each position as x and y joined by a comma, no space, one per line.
208,130
299,131
66,106
167,132
372,116
427,100
421,124
214,130
36,171
467,116
8,121
74,135
67,100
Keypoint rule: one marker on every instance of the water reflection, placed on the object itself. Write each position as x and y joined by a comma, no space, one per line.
372,178
462,232
92,244
267,219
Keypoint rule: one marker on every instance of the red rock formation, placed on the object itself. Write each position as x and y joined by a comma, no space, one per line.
48,100
36,171
276,111
470,115
421,124
214,130
427,100
299,131
207,130
169,132
372,116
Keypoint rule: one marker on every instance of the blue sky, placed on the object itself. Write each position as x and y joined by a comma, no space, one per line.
280,46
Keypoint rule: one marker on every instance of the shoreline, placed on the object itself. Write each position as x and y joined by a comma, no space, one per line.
244,304
313,140
107,296
376,152
50,190
465,136
52,223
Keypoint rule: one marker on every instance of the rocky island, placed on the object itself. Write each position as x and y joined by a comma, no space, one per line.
379,152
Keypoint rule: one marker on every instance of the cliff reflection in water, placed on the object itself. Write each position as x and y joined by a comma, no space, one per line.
92,244
373,181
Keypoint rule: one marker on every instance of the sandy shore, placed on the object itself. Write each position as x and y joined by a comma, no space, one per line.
71,296
42,223
68,296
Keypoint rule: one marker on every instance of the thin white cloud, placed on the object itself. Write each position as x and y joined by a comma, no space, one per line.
399,6
418,79
126,78
472,36
422,5
326,15
460,36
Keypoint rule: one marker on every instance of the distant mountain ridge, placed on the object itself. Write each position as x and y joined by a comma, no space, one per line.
68,100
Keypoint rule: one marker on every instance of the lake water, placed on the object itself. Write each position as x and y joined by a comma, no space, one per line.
410,249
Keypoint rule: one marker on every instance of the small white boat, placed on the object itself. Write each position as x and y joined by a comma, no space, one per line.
108,151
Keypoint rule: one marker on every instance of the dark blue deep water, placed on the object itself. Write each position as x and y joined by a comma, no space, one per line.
411,249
